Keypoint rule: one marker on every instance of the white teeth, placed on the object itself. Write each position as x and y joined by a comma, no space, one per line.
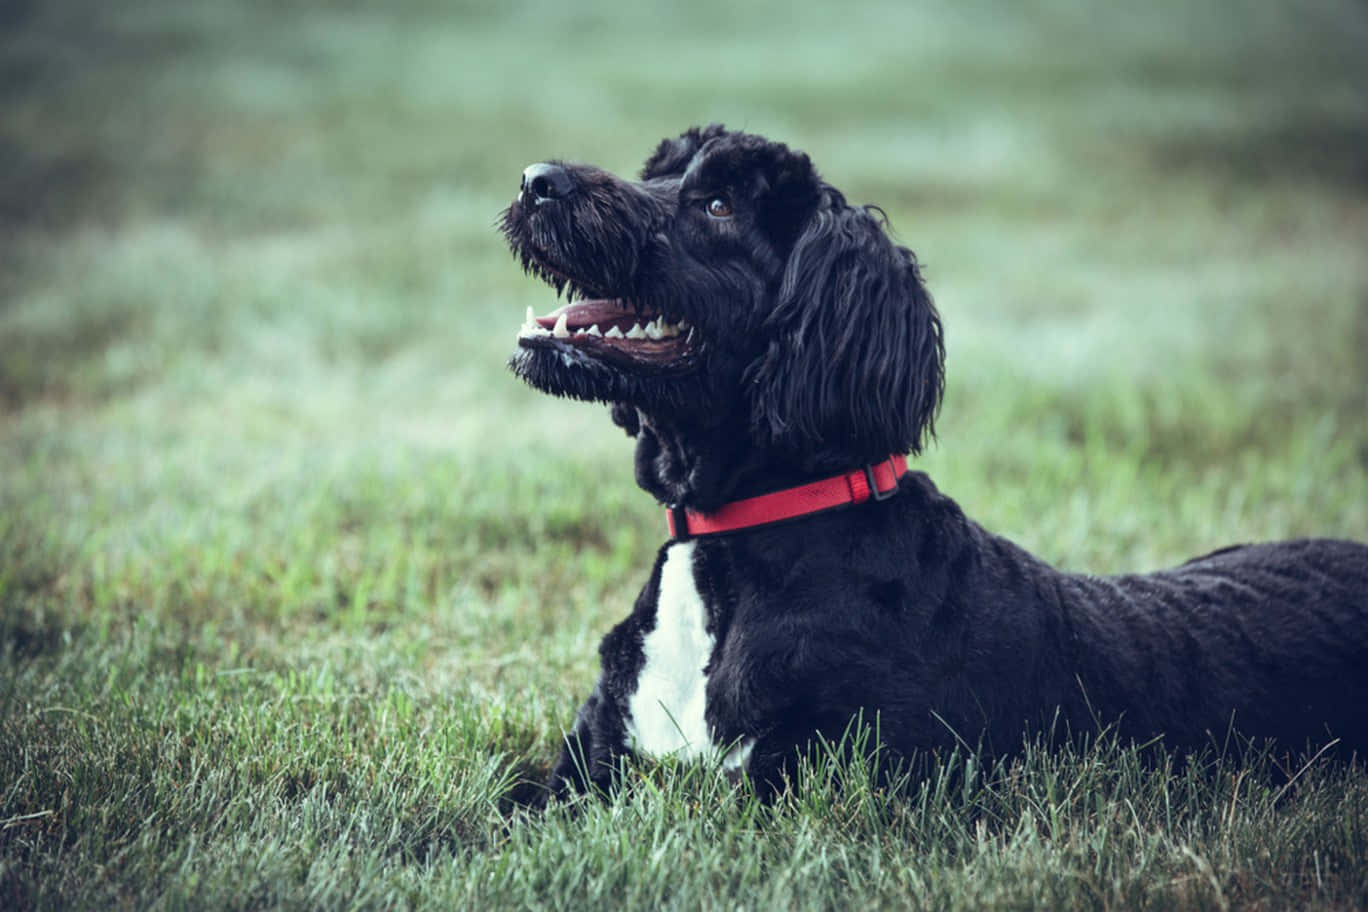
531,327
656,329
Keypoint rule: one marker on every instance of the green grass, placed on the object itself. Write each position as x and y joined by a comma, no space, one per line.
298,584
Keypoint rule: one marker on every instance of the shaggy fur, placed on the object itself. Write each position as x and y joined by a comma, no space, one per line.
794,340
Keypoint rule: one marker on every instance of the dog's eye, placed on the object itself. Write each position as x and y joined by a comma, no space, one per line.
719,207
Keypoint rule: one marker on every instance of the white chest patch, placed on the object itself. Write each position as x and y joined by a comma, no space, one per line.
667,707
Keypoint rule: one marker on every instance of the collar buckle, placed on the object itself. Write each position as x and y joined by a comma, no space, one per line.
679,523
874,493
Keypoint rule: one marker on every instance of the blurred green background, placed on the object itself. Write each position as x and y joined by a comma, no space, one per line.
254,314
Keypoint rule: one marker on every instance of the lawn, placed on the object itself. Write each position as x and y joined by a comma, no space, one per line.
299,586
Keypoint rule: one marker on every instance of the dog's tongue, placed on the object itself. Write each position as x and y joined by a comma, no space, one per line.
587,313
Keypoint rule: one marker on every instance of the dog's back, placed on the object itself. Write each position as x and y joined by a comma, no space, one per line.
1270,640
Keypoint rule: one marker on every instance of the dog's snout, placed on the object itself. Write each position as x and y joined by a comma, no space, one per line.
545,182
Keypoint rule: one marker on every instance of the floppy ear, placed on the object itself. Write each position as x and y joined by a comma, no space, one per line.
854,368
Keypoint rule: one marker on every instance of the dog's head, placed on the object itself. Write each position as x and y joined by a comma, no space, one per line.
729,284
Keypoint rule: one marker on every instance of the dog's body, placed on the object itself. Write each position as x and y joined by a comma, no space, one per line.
786,339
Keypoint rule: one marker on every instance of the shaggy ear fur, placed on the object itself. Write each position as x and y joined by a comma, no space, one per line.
855,364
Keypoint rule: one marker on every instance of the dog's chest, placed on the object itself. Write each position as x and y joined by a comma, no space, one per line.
666,711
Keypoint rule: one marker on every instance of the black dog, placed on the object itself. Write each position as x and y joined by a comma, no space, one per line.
758,334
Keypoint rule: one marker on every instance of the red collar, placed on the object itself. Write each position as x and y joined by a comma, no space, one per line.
873,482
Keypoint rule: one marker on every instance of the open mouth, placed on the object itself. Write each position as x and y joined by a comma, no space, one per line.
610,328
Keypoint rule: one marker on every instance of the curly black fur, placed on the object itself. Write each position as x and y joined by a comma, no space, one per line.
816,348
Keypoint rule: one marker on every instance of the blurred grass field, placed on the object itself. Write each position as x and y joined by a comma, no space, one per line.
296,581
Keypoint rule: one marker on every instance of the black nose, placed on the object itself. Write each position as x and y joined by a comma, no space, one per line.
543,182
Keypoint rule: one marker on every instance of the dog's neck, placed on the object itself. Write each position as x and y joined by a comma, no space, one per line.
705,465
